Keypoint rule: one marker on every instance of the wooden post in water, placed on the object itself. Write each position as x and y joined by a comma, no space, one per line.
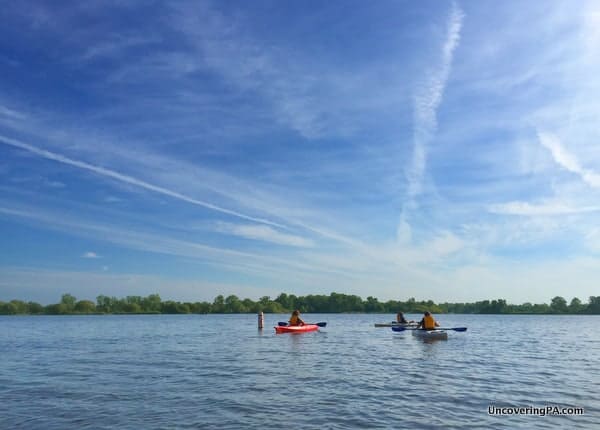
261,320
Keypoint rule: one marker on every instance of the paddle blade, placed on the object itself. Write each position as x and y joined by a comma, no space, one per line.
395,328
284,324
452,328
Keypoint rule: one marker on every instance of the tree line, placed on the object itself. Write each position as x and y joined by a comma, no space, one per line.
333,303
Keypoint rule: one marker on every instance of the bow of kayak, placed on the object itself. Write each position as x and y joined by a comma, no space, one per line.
296,328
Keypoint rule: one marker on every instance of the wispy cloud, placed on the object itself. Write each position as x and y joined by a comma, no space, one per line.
426,102
90,254
264,233
112,199
118,45
273,158
11,114
567,160
264,262
428,99
127,179
179,173
310,94
545,209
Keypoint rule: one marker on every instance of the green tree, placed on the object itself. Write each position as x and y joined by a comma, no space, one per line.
576,306
251,306
137,300
68,301
35,308
19,306
373,305
7,308
498,306
272,307
85,307
151,303
541,308
558,305
104,304
234,305
131,308
171,307
526,308
288,302
56,309
218,306
593,306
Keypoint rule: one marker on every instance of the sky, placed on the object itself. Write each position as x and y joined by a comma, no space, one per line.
437,150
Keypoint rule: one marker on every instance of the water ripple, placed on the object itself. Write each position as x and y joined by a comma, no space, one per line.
220,372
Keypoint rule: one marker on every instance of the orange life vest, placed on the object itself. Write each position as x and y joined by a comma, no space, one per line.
428,322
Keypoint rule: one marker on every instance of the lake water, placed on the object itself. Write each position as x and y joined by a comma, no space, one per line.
220,372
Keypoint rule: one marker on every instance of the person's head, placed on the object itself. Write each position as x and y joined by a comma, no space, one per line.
400,313
427,313
296,312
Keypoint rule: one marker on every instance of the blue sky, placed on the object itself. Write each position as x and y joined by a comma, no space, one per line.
437,150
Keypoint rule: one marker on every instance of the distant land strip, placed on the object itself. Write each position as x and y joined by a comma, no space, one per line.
333,303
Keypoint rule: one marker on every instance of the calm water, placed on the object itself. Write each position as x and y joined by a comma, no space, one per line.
220,372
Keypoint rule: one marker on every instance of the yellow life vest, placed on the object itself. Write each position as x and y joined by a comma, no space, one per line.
428,322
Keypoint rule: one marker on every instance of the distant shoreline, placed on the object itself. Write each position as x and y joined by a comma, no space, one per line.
335,303
98,314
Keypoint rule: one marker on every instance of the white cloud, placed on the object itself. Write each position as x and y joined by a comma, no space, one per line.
545,209
90,254
567,160
266,262
112,199
11,114
264,233
446,244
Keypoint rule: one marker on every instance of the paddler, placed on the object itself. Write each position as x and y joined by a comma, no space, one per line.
428,322
295,318
401,320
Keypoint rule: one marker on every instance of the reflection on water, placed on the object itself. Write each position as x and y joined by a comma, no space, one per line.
219,371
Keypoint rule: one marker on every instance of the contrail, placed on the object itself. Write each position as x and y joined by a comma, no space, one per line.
130,180
427,100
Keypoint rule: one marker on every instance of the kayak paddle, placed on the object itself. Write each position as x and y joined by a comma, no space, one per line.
320,324
437,328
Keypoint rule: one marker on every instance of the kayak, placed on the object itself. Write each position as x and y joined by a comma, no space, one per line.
395,324
296,328
430,334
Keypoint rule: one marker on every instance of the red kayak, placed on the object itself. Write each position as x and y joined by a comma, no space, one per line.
296,328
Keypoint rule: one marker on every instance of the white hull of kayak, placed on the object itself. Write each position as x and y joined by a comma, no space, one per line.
430,334
394,324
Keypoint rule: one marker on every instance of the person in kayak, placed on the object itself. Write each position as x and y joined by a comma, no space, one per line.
428,322
295,318
401,320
